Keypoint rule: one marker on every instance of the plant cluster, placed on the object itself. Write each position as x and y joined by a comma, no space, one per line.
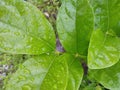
88,31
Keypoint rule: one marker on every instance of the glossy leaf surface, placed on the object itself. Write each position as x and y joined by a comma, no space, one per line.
103,50
47,72
74,25
75,73
109,77
36,1
106,15
104,44
24,29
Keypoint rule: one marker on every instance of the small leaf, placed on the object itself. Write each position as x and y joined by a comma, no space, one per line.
47,72
24,29
109,77
75,74
104,44
74,25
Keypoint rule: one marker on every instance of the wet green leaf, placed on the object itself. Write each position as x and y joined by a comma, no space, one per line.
103,50
47,72
106,15
104,44
74,25
109,77
24,29
75,74
36,1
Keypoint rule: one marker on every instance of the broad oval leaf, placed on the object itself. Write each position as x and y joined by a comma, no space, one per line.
109,77
104,45
24,29
74,25
47,72
104,50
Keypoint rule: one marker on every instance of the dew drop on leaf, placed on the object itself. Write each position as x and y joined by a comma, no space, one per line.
31,38
22,78
61,82
48,53
7,48
6,31
27,71
55,86
43,49
58,76
26,87
16,33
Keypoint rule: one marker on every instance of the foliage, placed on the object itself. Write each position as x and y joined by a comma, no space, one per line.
87,30
8,65
49,8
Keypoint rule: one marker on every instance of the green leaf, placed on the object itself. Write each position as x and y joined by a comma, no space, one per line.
103,50
104,44
109,77
74,25
47,72
75,73
36,1
24,29
106,15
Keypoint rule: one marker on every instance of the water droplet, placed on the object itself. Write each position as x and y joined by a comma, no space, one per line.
44,36
6,30
62,69
31,38
61,82
17,33
22,78
27,71
43,49
48,53
32,79
58,76
7,48
55,87
29,46
26,87
21,66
